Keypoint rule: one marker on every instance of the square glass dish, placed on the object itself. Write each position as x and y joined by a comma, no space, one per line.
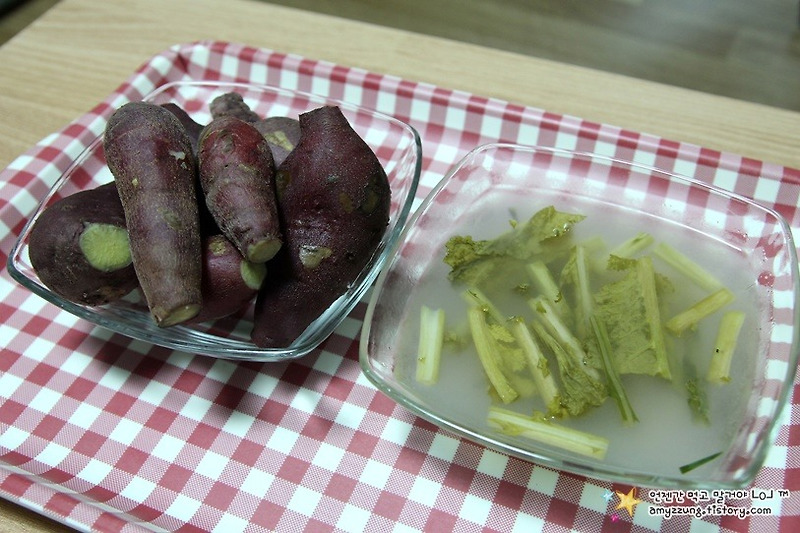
396,144
694,427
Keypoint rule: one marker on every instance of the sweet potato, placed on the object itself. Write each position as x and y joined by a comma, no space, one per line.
150,155
192,127
208,226
282,134
333,199
230,282
232,104
237,177
79,247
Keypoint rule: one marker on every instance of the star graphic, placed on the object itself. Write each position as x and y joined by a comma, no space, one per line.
628,501
607,495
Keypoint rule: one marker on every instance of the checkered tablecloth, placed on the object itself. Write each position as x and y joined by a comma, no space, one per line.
105,433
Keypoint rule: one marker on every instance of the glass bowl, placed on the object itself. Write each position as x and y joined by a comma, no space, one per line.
745,247
396,144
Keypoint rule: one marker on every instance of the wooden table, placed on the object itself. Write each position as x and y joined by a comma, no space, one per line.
81,50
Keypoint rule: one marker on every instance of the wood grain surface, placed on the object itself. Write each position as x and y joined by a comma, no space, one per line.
80,50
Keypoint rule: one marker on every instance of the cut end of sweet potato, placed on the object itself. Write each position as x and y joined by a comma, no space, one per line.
79,247
253,274
165,318
105,246
263,250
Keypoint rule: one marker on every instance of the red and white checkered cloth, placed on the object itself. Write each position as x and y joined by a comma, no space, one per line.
105,433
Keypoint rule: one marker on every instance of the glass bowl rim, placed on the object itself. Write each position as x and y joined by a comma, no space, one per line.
588,468
213,345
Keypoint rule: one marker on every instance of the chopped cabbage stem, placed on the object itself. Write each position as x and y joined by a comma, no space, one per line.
542,430
697,398
537,362
580,391
560,321
647,277
687,267
544,281
561,333
584,289
630,309
689,318
633,246
615,388
486,354
476,297
576,274
719,370
431,339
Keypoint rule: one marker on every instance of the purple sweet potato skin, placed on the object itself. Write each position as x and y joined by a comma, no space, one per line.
232,104
208,225
56,255
237,176
334,199
225,291
282,134
192,127
150,155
